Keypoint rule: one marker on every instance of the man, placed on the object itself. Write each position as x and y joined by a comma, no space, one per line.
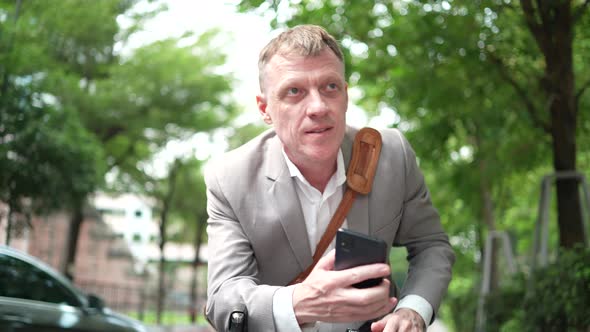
270,201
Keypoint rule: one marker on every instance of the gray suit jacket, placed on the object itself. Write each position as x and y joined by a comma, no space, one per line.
257,236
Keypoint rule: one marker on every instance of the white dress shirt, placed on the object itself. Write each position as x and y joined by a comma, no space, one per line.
318,209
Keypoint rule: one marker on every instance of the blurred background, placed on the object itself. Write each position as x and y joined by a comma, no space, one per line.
110,109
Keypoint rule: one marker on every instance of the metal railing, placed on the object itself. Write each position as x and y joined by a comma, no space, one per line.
141,302
540,254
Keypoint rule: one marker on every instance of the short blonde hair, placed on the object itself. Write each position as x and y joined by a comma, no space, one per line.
304,40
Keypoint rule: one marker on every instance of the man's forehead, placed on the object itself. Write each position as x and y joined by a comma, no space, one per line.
281,64
294,60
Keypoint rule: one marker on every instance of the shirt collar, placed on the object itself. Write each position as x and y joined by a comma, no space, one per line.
340,175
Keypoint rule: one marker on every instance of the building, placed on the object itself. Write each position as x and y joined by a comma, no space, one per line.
130,217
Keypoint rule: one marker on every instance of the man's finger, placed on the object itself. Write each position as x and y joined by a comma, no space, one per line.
327,262
379,325
360,273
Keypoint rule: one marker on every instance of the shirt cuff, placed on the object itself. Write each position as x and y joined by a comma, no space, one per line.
282,310
419,305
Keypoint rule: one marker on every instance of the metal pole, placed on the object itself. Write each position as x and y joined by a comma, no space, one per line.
487,273
541,240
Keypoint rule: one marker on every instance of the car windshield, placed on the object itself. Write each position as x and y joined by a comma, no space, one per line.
22,280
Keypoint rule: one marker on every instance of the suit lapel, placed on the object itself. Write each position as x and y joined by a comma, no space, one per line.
285,201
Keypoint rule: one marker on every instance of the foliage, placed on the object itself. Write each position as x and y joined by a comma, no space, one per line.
168,317
564,289
96,108
244,133
52,160
460,303
164,92
189,204
459,313
46,156
133,105
504,306
553,298
399,265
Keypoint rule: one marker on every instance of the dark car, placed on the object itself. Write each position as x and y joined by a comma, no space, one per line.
34,297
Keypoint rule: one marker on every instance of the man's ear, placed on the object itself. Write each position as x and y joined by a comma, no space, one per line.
346,93
261,102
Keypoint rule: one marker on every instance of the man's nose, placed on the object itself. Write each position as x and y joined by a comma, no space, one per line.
317,105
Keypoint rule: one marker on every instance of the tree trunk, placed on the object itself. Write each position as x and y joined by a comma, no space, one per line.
162,243
72,245
161,269
9,225
560,88
10,45
193,290
551,24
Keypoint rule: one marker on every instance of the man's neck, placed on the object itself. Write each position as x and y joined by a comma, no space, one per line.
318,173
318,176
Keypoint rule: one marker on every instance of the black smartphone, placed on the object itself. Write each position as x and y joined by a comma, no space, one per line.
354,249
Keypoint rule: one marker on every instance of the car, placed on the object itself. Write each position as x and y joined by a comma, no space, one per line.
34,297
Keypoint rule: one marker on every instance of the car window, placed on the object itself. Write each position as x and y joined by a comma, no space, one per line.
22,280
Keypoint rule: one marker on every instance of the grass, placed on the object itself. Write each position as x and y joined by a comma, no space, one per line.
167,318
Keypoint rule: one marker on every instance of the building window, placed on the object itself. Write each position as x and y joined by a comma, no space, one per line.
112,212
136,237
138,213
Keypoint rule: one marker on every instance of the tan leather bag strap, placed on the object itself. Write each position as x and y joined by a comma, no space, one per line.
359,179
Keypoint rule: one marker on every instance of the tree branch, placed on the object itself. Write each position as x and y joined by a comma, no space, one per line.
582,90
499,7
578,12
529,105
533,25
544,14
110,132
118,161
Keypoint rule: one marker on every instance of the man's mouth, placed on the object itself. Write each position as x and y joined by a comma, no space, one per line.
318,131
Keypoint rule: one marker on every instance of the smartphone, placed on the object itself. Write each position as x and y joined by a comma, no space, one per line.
354,249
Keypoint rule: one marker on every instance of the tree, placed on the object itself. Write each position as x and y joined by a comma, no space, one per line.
553,27
163,192
132,105
189,218
79,38
47,158
181,202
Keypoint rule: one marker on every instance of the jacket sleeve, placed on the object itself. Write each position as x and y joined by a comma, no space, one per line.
233,281
430,254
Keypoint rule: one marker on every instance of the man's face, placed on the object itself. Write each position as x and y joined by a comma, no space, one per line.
305,99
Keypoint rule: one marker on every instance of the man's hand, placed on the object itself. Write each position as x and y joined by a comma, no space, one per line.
328,296
403,320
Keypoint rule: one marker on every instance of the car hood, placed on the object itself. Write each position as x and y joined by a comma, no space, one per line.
126,323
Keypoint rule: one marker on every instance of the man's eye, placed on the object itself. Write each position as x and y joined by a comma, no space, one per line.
332,86
292,91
